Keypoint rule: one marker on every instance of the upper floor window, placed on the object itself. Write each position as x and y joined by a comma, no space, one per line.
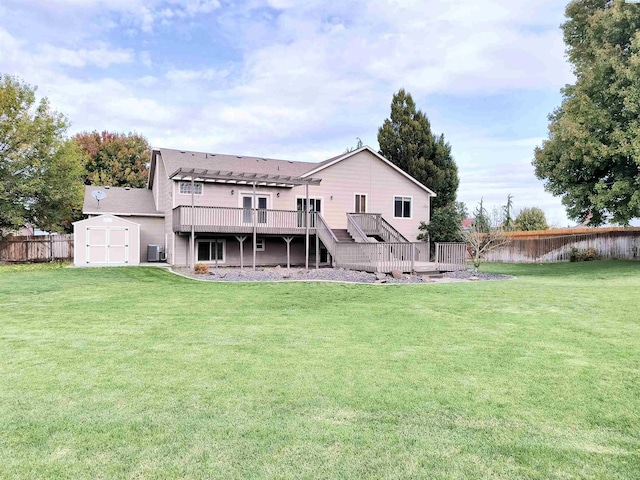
361,203
185,188
402,207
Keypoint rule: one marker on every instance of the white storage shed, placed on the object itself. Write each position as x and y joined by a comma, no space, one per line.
106,240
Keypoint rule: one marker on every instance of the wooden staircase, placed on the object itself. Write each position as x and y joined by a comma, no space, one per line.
342,235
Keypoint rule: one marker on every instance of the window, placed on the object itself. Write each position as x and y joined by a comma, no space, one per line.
361,203
185,188
315,205
402,207
211,250
247,205
260,244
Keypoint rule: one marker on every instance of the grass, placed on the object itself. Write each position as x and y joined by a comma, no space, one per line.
136,373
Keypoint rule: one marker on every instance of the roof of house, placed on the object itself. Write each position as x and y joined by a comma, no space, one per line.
332,161
120,201
175,159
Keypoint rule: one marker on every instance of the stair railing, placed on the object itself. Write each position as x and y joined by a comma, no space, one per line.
327,236
355,231
390,234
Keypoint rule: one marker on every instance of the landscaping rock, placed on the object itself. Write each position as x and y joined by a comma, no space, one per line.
231,274
381,276
397,274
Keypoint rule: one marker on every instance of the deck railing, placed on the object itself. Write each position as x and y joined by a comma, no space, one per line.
375,224
355,231
451,256
240,220
369,223
390,234
326,235
382,257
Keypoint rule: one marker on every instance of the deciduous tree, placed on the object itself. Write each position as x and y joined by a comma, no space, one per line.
40,169
592,155
484,235
530,219
115,159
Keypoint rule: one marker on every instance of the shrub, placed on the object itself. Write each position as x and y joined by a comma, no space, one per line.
201,268
583,255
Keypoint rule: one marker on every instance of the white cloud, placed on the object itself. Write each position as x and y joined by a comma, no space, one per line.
175,75
303,79
102,57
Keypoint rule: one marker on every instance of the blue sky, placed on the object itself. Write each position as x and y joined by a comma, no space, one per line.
302,79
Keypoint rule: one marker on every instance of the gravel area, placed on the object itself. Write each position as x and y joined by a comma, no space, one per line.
271,274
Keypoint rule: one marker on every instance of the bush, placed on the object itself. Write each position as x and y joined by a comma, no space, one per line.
201,269
583,255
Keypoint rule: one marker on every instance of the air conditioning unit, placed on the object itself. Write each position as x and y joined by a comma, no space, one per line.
155,253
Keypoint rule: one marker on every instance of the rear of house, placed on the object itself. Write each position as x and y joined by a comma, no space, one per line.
240,211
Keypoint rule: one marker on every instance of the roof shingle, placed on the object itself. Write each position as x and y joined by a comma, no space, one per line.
120,201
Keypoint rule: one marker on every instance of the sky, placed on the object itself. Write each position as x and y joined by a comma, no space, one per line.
303,80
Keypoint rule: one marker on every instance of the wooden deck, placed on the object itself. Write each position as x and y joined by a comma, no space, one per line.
241,220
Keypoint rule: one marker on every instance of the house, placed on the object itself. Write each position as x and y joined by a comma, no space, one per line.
356,210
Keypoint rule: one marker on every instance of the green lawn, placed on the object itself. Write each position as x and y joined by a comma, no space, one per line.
137,373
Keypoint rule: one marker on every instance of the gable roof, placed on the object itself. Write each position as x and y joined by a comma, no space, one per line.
120,201
332,161
109,215
175,160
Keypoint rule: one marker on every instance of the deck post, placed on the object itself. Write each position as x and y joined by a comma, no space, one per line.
255,225
241,239
288,240
193,228
306,235
413,257
317,251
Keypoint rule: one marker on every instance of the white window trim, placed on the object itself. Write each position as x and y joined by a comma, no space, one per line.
209,240
366,202
410,197
311,197
263,241
189,183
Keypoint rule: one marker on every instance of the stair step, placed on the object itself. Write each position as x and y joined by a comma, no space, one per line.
343,235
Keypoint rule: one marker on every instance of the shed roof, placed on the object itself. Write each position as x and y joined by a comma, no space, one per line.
120,201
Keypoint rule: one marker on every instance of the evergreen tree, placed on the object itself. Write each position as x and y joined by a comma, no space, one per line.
406,140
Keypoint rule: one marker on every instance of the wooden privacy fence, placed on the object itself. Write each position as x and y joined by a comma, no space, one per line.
40,248
609,244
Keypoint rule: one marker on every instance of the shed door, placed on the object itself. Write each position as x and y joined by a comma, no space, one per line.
108,245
